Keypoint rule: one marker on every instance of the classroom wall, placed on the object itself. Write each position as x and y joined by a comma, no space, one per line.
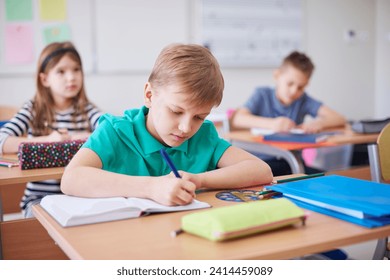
382,61
350,75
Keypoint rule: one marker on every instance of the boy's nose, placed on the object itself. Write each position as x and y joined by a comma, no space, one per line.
185,126
294,91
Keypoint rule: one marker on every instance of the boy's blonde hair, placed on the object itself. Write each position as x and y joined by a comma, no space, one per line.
299,61
193,68
43,105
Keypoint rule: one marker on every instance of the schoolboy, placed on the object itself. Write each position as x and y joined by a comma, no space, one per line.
122,157
285,106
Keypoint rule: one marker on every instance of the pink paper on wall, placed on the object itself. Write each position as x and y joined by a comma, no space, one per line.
19,44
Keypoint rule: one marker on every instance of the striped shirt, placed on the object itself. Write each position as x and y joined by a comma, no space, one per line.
20,125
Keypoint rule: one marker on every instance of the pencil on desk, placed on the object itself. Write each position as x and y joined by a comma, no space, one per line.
176,232
269,194
298,178
8,164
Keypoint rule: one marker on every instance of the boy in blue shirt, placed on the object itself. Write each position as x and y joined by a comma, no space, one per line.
285,106
122,158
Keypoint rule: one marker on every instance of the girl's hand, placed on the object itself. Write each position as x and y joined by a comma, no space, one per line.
173,191
80,135
57,136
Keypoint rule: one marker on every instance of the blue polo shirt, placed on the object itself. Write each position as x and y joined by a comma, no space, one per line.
125,146
264,103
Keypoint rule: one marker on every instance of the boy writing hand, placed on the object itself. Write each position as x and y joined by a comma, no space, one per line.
122,157
285,106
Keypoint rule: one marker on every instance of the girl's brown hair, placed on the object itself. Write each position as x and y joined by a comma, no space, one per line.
194,68
43,104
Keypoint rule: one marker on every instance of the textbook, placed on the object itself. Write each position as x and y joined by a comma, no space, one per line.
297,137
358,201
72,211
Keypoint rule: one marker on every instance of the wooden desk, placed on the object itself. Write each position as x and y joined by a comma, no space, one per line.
10,177
15,175
149,238
290,151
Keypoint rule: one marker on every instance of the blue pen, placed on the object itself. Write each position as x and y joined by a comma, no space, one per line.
170,163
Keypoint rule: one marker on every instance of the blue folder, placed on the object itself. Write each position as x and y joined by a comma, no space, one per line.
338,196
297,137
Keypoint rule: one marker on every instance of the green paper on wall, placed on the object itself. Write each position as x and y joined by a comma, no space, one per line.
58,33
20,10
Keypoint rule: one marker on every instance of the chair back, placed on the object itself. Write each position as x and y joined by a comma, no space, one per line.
384,152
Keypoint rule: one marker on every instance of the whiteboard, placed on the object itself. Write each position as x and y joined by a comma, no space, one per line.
256,33
131,34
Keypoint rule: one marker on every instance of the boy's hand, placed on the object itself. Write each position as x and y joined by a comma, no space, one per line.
194,178
283,124
312,127
173,191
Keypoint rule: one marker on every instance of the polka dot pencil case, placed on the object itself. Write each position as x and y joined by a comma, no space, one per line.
47,154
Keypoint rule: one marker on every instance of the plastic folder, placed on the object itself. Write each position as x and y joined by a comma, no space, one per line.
358,201
297,137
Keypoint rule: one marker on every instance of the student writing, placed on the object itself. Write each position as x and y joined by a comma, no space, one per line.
60,110
122,157
285,106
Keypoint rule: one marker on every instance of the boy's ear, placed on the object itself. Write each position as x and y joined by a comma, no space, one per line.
43,79
276,73
148,95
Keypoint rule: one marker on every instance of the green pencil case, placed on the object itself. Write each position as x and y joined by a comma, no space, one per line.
243,219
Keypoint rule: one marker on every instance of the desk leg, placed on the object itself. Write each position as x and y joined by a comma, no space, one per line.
373,158
1,208
292,157
1,220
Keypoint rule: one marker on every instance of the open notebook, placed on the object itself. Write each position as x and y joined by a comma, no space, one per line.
73,211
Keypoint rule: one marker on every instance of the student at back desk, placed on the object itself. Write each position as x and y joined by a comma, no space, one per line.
285,106
60,110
